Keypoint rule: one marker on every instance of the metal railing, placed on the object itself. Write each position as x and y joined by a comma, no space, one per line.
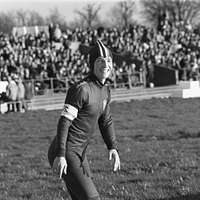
53,85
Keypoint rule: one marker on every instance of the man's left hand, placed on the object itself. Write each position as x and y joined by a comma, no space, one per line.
114,154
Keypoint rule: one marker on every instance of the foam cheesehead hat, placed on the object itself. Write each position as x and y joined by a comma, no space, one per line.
99,50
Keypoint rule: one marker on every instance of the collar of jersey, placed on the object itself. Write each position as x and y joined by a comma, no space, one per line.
96,80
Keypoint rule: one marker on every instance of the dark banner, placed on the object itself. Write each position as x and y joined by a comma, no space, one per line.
164,76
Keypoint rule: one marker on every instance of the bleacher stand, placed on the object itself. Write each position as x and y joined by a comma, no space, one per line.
42,56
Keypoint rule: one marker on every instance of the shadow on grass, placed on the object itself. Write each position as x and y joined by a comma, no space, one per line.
187,197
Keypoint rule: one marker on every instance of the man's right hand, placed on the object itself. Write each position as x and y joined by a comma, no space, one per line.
60,166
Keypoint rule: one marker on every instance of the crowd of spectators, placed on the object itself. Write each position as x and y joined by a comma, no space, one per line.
43,56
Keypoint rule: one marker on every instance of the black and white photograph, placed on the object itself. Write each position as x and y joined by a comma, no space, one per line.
99,100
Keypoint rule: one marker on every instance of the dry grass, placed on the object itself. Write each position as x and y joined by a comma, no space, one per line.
159,145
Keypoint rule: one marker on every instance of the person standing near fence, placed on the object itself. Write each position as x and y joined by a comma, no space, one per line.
11,94
21,105
86,104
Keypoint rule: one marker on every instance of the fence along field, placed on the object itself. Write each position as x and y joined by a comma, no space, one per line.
159,145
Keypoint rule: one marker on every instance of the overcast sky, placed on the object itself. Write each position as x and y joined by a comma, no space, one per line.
65,7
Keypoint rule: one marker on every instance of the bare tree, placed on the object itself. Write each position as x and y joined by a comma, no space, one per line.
6,22
181,10
186,10
77,22
55,17
21,18
154,10
89,14
122,13
34,18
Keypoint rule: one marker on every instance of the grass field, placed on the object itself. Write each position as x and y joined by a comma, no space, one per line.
159,145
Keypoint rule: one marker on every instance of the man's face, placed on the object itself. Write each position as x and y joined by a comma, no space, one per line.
103,68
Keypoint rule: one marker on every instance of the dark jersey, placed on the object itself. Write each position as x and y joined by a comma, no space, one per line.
86,105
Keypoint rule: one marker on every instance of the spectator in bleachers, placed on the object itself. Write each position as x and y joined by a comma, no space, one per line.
51,32
57,34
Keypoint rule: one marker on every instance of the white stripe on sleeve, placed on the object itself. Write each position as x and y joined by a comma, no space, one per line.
69,111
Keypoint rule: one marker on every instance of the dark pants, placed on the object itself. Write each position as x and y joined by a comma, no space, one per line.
12,106
78,179
21,104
